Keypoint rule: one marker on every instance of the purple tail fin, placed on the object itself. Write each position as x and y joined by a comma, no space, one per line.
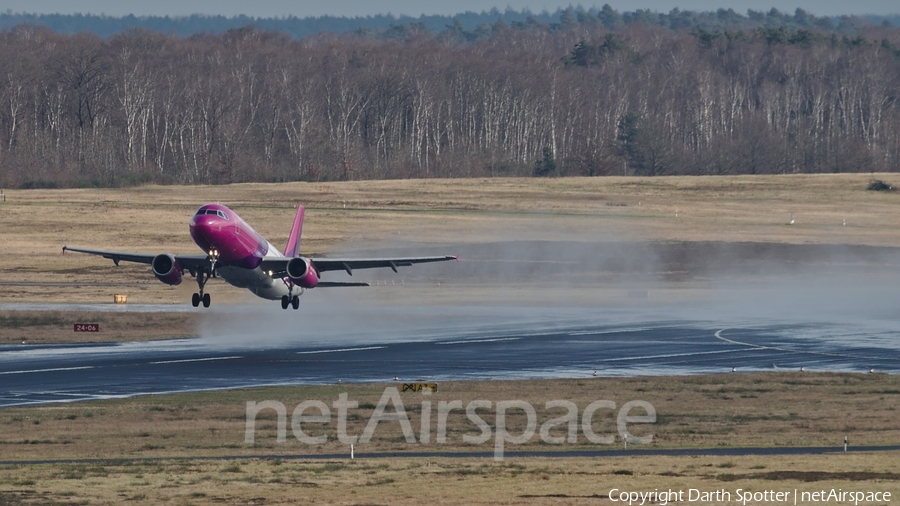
293,245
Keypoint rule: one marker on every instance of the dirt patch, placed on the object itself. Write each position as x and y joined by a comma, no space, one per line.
811,476
878,185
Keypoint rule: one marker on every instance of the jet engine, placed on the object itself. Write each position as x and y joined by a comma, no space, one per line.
302,273
166,269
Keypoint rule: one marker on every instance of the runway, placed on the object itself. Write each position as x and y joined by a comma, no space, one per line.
509,311
537,348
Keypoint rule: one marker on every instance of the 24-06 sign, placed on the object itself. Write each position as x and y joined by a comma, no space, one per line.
87,327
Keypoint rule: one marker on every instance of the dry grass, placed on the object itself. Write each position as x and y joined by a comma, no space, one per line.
780,409
42,327
437,480
763,409
742,208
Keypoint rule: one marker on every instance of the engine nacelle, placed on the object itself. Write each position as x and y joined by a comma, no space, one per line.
167,269
302,273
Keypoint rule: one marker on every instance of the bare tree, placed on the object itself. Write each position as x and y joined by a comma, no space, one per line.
250,105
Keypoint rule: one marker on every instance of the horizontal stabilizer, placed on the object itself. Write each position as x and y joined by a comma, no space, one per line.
332,284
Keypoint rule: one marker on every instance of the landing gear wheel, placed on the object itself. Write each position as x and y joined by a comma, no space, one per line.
285,301
295,302
202,278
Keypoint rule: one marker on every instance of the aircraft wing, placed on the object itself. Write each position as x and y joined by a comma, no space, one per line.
278,266
200,262
349,265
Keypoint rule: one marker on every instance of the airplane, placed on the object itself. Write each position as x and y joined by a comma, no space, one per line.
243,258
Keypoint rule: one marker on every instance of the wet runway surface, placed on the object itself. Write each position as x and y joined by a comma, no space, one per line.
34,374
540,309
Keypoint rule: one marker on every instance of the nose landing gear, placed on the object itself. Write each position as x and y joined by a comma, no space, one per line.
202,277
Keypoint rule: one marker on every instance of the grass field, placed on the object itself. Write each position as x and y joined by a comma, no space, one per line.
828,209
760,409
43,327
443,481
766,409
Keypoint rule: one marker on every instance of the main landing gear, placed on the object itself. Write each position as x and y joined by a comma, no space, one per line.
290,299
202,277
196,299
293,301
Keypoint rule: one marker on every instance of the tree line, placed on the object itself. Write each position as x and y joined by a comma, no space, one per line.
580,99
476,24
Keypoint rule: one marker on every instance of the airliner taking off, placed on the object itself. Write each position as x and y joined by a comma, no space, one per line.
245,259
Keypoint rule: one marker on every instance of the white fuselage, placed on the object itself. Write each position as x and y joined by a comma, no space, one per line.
257,281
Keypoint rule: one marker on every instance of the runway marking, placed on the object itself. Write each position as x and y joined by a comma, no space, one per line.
612,331
718,335
49,370
670,355
488,340
209,359
338,350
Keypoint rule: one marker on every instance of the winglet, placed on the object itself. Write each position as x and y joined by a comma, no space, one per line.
293,245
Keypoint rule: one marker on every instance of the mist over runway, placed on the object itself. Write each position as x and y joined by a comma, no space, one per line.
64,373
510,310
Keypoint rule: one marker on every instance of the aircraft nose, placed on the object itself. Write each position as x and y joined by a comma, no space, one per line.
208,231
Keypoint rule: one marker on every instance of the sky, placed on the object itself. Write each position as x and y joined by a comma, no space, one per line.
350,8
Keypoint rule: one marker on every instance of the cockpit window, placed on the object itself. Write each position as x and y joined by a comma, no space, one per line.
214,212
